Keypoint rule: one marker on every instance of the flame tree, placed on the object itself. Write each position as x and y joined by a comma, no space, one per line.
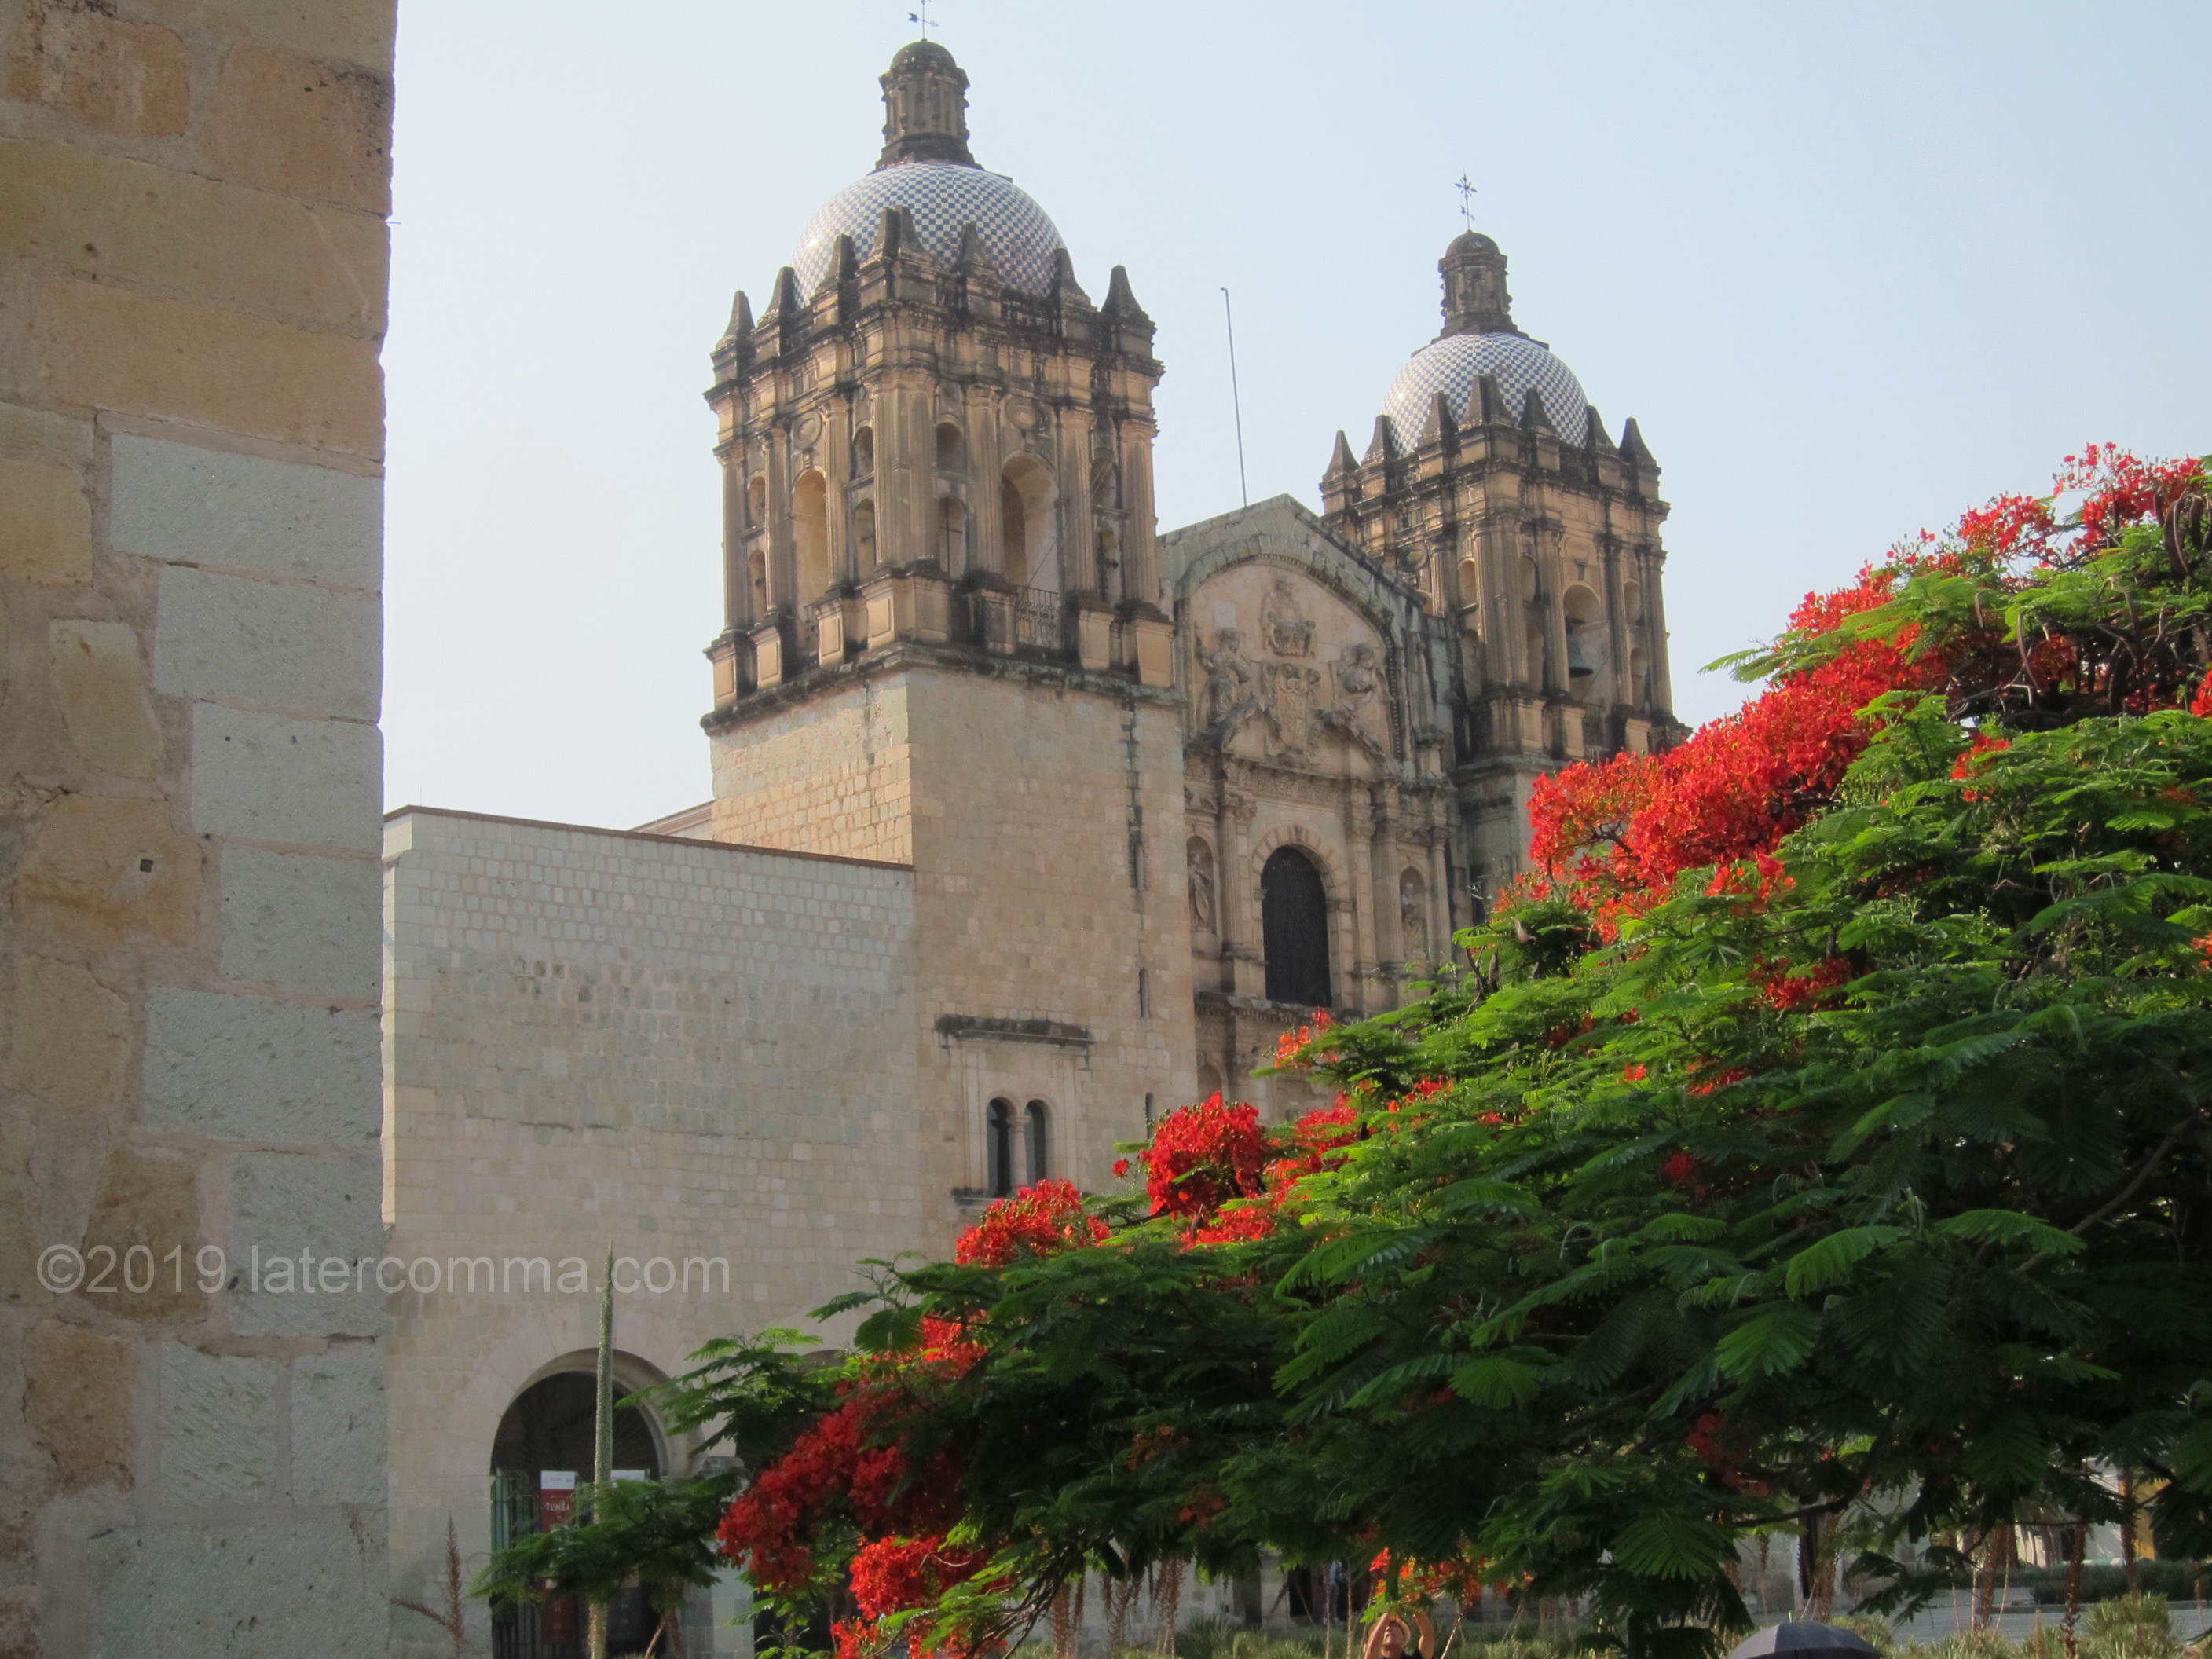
1824,1119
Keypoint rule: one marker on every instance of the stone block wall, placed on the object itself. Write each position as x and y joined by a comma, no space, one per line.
192,249
687,1051
832,772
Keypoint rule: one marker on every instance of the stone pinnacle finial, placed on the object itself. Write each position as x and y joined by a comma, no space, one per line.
1475,300
924,108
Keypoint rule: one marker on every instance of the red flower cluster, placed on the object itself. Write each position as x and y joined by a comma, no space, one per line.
1463,1579
1792,990
1613,835
1037,1221
1203,1155
896,1575
848,1462
1290,1047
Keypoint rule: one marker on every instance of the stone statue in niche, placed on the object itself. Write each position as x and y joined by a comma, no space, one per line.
1201,887
1286,633
1227,700
1359,689
1293,709
1412,917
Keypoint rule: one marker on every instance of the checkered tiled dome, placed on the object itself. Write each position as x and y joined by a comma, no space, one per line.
942,196
1453,364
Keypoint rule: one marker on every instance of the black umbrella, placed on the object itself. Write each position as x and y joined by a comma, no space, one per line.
1788,1639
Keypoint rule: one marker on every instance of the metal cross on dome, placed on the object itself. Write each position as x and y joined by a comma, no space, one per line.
1466,189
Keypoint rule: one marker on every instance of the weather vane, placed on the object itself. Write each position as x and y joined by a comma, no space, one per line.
1466,189
922,18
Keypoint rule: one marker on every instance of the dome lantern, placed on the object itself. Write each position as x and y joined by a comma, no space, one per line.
924,108
1475,298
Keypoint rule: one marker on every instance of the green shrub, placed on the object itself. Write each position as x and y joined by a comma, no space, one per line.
1866,1625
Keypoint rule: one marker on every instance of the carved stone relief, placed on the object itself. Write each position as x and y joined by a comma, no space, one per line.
1202,916
1413,916
1283,625
1306,688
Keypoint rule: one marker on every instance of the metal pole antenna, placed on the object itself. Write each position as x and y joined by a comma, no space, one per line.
1236,402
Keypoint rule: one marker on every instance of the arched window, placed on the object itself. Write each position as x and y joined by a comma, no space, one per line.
1037,1144
951,534
948,447
864,452
1294,929
1638,692
1631,600
998,1147
809,514
864,537
1528,577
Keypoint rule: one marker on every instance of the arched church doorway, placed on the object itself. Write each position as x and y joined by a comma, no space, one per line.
542,1453
1294,928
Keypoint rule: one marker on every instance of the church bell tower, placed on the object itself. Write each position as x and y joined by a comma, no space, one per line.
944,645
932,435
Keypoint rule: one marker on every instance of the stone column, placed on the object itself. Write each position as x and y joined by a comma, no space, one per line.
737,584
1140,568
1654,629
1364,968
1078,534
192,441
783,554
1242,939
986,535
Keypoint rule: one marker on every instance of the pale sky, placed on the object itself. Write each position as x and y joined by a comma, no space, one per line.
1853,268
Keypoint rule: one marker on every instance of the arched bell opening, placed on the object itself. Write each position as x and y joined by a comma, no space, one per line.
1028,552
864,452
810,517
1584,619
864,539
1294,928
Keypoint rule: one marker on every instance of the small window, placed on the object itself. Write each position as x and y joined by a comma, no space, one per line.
757,502
756,573
1037,1144
1148,1117
951,534
1144,993
999,1148
864,452
948,447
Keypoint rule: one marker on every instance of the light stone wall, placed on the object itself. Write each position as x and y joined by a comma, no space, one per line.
682,1049
831,773
1044,813
191,291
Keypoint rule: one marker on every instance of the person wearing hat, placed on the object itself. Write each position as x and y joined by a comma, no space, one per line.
1390,1638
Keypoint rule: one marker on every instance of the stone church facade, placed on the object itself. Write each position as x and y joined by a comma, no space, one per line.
1028,824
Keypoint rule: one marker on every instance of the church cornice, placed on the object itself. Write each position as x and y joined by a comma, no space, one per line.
906,655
